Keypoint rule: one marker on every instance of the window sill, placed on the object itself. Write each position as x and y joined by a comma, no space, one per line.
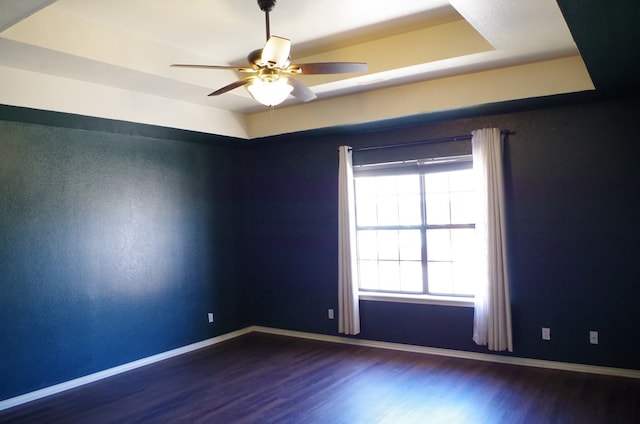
424,299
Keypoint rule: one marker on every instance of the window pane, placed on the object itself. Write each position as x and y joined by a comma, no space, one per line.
365,186
366,211
409,209
462,207
409,200
463,283
461,180
408,184
388,200
387,210
438,212
368,274
463,243
439,245
439,277
411,276
388,245
365,191
387,185
389,273
367,244
463,246
410,245
437,182
450,198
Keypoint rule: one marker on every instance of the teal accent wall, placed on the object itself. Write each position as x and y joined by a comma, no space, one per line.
113,247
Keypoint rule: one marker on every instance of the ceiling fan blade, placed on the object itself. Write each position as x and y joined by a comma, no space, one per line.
275,52
232,86
327,68
231,68
301,91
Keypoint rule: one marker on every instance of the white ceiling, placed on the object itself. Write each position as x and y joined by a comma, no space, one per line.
110,58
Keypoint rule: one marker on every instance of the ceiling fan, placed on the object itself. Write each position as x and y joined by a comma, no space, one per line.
271,82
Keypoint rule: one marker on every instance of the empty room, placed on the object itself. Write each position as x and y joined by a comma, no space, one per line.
345,211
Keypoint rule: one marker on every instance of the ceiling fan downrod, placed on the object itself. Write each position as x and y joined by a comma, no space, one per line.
267,6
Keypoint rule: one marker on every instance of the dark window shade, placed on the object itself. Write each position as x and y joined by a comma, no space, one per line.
409,152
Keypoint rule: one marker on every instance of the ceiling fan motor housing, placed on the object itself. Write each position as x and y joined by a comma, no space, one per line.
266,5
254,57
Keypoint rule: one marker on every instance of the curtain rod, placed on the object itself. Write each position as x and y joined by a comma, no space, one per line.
418,143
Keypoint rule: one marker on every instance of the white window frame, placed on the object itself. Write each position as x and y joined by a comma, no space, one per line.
422,166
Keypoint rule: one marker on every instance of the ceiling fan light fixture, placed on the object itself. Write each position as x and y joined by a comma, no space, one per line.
270,87
270,92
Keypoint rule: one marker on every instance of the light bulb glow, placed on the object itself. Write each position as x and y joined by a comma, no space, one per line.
270,91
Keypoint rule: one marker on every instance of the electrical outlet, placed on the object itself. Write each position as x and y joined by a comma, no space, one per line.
330,313
546,333
210,316
593,337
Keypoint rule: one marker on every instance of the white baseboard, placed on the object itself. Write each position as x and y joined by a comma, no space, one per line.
564,366
526,362
51,390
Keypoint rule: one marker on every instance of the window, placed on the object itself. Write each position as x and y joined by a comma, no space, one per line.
415,227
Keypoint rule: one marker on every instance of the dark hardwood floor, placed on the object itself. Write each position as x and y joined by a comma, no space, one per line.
259,378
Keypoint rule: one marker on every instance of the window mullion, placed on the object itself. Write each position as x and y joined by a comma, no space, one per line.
423,235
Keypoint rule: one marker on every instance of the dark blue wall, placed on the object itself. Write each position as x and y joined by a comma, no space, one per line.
116,239
113,247
572,182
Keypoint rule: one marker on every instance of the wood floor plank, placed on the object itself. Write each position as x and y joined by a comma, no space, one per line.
260,378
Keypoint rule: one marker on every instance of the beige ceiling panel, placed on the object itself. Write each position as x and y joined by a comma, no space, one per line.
517,82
